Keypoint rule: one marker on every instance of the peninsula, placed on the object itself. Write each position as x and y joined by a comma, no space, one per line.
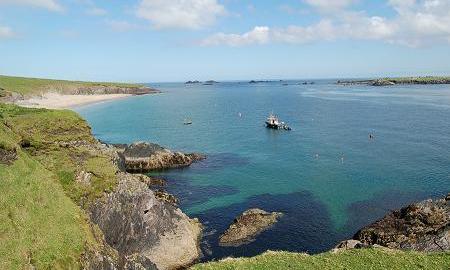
61,94
396,81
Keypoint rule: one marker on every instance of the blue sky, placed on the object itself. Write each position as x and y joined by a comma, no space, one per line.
178,40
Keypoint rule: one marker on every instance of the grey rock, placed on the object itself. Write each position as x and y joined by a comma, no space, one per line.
134,221
350,244
381,82
144,157
7,156
247,226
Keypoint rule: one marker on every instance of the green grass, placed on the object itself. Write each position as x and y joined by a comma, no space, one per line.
39,224
41,221
375,258
34,86
47,133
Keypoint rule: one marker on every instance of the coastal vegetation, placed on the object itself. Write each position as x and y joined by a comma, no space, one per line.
40,225
372,258
399,80
34,86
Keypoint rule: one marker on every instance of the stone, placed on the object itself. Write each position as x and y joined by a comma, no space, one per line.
7,156
84,178
247,226
134,221
143,157
349,244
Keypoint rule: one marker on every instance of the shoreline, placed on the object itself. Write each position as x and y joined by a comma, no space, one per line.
60,101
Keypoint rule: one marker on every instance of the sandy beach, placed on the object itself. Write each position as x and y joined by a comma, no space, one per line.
58,101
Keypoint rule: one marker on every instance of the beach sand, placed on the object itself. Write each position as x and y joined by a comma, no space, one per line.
58,101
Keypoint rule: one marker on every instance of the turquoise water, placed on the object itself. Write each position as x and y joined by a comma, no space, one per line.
326,174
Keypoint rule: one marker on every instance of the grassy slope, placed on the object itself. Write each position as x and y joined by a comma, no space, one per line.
30,86
39,223
351,259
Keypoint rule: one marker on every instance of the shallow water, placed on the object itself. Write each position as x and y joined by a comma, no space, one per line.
326,175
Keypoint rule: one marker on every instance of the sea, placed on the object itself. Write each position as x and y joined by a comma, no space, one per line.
328,175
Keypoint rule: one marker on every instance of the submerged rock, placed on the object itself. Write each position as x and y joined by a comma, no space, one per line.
423,226
247,226
144,157
134,221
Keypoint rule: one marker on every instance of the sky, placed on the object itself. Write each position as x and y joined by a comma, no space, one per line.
179,40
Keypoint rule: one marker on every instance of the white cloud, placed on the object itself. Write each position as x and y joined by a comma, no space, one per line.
6,32
121,26
329,5
95,11
185,14
51,5
416,23
259,35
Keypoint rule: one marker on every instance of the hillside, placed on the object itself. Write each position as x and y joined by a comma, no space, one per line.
19,87
40,225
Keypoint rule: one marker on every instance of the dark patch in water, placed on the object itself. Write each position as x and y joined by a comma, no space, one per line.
219,161
179,184
189,194
305,226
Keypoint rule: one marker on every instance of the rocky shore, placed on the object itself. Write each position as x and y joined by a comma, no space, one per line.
422,226
247,226
142,157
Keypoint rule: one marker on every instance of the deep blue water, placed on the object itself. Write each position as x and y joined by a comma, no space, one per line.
326,175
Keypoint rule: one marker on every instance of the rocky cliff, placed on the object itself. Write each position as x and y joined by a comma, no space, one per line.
111,219
134,221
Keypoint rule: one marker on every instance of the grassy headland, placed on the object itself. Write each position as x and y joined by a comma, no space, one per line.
34,86
374,258
42,223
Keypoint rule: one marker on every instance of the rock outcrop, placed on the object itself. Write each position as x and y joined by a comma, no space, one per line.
247,226
382,82
136,223
423,226
144,157
7,156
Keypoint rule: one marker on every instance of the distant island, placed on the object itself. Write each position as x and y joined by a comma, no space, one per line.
210,82
397,81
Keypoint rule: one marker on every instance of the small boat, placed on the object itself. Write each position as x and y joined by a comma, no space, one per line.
187,122
273,122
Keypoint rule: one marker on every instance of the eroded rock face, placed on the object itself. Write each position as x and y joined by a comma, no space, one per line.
134,221
144,157
247,226
423,226
7,157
